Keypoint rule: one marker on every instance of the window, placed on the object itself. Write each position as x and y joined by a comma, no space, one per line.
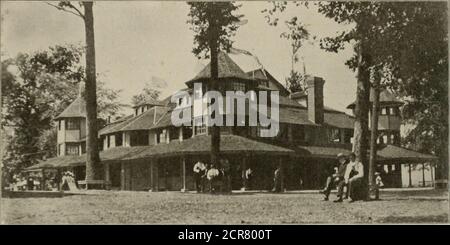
200,129
395,111
59,125
235,86
334,135
72,150
136,111
73,124
139,138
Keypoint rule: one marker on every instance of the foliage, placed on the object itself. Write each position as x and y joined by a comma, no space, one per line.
148,94
214,23
408,41
294,81
36,88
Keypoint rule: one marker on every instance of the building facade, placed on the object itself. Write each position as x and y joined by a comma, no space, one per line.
145,151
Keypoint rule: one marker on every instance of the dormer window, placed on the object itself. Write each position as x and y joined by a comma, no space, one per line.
136,111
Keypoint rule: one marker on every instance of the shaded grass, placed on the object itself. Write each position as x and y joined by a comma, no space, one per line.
114,207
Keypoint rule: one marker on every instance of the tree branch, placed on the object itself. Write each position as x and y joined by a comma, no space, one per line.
77,13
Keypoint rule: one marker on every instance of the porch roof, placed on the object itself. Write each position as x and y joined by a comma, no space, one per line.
403,155
229,144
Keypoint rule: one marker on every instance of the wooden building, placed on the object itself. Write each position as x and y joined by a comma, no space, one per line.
145,151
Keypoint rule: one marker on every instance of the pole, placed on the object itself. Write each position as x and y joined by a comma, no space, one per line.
374,127
409,173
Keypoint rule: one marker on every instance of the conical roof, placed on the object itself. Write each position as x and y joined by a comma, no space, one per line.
76,109
227,69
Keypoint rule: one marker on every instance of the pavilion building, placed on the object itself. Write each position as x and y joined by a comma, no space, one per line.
145,151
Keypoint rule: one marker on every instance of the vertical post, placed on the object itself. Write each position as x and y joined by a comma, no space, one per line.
432,175
423,174
152,183
122,176
107,177
183,174
43,180
281,174
409,175
156,176
180,135
243,169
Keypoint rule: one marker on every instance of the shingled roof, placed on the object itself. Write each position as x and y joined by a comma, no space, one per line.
401,154
229,144
146,120
76,109
227,69
386,98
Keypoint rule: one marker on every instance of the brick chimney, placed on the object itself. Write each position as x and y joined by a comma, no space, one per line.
315,98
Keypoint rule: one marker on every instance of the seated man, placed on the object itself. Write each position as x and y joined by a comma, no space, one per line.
336,177
356,179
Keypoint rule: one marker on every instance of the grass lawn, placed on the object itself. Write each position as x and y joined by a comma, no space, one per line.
113,207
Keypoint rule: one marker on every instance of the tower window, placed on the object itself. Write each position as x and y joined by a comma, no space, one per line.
72,150
73,124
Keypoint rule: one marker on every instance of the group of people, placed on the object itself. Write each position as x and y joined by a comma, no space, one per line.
211,178
348,177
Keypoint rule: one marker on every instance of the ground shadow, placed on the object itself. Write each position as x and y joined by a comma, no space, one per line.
415,219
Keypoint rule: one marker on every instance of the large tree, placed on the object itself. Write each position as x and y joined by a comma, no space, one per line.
36,87
388,38
213,23
84,10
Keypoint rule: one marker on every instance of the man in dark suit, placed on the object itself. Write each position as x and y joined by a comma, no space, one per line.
336,178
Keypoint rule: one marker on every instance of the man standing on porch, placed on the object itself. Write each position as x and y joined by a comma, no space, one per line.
199,171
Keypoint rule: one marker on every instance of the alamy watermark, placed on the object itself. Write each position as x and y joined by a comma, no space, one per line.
210,108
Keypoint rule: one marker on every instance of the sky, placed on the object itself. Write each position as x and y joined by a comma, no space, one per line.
138,40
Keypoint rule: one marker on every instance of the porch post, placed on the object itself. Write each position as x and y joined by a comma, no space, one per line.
432,175
122,176
183,174
423,174
152,182
107,177
180,134
243,169
156,175
409,175
281,175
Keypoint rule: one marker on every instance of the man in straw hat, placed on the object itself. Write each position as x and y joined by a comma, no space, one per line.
337,177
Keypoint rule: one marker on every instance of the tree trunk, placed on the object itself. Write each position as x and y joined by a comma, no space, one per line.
362,110
93,168
215,131
374,128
